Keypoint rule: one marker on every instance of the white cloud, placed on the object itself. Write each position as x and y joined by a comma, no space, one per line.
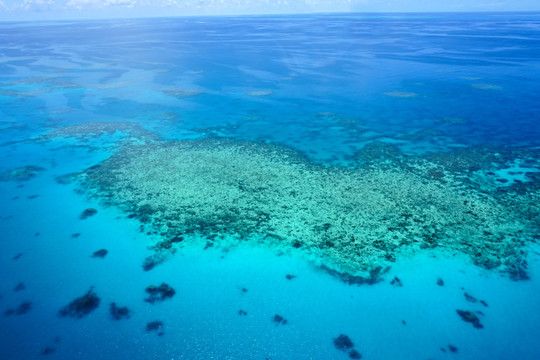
82,4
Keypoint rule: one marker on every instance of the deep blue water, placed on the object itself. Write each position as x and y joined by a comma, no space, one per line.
325,85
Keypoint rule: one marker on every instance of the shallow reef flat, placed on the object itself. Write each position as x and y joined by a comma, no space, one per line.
355,221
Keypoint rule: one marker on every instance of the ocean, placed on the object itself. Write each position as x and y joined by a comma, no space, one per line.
326,186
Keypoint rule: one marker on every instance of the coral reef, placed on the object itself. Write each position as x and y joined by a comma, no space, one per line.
343,342
48,350
354,221
279,320
469,316
159,293
22,309
81,306
100,253
155,326
20,286
119,313
20,174
396,282
87,213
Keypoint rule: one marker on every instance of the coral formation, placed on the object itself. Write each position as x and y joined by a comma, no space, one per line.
469,316
20,174
159,293
100,253
87,213
81,306
279,320
355,220
155,326
343,342
119,313
20,286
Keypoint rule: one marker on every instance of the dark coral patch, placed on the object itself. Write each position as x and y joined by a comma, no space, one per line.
155,326
375,275
469,316
48,350
470,298
17,256
396,282
343,342
20,286
24,173
353,354
159,293
100,253
23,308
119,313
279,320
81,306
87,213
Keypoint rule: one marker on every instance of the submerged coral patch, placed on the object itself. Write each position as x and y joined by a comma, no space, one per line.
470,317
159,293
24,173
87,213
119,312
100,253
355,220
81,306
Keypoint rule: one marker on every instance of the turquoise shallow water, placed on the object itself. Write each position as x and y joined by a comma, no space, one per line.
326,86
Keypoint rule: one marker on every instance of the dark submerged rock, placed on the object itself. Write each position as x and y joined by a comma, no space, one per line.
119,313
440,282
353,354
343,342
100,253
159,293
87,213
279,320
469,316
155,326
396,282
153,260
242,312
23,308
20,286
375,275
24,173
48,350
452,348
484,303
81,306
290,277
470,298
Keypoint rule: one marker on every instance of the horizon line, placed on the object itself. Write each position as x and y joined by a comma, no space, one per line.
67,18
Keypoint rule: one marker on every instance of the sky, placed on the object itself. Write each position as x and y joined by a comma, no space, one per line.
69,9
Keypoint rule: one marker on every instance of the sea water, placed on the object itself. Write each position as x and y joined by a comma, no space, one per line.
326,86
